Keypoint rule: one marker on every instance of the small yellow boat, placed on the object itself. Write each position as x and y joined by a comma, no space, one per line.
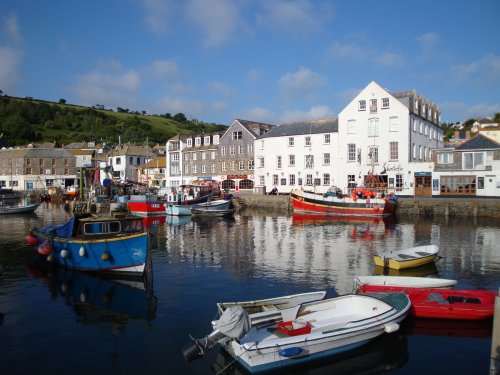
408,258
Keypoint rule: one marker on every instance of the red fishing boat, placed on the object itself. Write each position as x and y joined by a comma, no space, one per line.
359,203
146,204
443,303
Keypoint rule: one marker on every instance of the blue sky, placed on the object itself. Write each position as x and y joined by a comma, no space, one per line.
262,60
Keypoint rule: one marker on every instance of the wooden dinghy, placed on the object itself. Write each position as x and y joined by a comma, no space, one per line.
407,258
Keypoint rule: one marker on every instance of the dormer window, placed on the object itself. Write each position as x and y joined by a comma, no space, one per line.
215,139
189,142
197,141
206,141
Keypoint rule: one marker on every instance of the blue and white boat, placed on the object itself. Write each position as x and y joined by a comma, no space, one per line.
305,333
107,244
186,209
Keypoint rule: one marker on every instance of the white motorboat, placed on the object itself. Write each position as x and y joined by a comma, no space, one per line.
404,281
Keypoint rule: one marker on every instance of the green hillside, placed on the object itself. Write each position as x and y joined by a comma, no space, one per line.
24,121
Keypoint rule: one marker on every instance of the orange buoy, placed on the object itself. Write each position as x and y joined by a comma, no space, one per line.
105,256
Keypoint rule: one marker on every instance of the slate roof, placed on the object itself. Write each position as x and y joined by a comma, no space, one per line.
255,127
478,142
329,125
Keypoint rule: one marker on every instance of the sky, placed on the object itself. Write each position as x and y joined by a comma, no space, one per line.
270,61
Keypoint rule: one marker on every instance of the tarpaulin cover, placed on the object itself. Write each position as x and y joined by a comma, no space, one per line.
234,322
58,230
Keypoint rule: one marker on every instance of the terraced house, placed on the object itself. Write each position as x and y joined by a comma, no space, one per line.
37,168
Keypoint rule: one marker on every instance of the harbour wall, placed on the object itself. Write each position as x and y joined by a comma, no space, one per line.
408,207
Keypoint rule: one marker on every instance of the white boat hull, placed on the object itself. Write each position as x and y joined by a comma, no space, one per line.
405,281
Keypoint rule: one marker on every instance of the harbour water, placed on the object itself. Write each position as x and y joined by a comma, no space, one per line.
60,322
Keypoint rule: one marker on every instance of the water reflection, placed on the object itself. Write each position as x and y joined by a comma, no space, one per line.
98,300
453,328
385,353
429,269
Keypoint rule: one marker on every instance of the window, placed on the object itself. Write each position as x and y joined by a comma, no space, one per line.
373,105
351,181
203,168
309,161
473,160
189,142
118,161
215,139
206,141
250,149
240,149
372,154
362,105
186,169
232,150
426,129
212,168
445,157
193,156
250,165
309,179
385,103
223,150
393,151
399,181
326,179
203,155
420,152
373,127
480,182
237,135
351,152
393,124
275,179
327,138
414,150
291,160
421,127
241,165
458,185
260,162
130,160
175,156
231,165
291,141
326,158
212,155
352,127
414,125
278,162
308,141
197,141
425,153
262,145
291,179
194,169
223,166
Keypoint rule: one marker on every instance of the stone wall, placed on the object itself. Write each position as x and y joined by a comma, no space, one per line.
453,207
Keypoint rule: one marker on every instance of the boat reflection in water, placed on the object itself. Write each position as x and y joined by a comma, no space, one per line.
379,356
445,327
429,269
98,299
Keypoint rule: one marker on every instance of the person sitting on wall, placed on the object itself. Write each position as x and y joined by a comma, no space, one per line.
274,191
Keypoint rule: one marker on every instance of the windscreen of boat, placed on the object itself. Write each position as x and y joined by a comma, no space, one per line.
100,228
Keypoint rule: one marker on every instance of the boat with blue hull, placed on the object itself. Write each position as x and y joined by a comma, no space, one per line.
105,244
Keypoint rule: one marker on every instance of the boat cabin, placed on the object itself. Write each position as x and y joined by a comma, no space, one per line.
86,226
185,193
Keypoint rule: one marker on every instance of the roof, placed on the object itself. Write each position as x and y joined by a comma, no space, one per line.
478,142
328,125
35,153
159,162
81,152
133,150
255,127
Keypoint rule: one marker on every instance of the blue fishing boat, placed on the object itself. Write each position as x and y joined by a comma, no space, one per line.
105,244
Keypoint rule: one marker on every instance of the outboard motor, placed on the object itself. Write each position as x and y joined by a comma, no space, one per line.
233,323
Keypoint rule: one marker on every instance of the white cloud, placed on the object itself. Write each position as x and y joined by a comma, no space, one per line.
109,84
158,14
484,70
428,43
462,111
259,114
255,76
302,84
315,113
217,19
352,51
296,17
191,108
220,88
12,28
9,68
220,105
163,69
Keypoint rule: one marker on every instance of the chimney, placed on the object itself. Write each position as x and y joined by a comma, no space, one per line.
467,134
457,134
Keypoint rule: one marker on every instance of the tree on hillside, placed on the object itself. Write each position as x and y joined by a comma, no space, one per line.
496,118
180,117
62,101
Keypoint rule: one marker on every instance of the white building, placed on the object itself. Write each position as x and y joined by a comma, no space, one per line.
297,154
390,136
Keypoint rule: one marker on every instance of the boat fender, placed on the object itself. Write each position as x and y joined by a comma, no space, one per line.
105,256
290,352
50,258
391,327
64,253
45,248
81,252
30,240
